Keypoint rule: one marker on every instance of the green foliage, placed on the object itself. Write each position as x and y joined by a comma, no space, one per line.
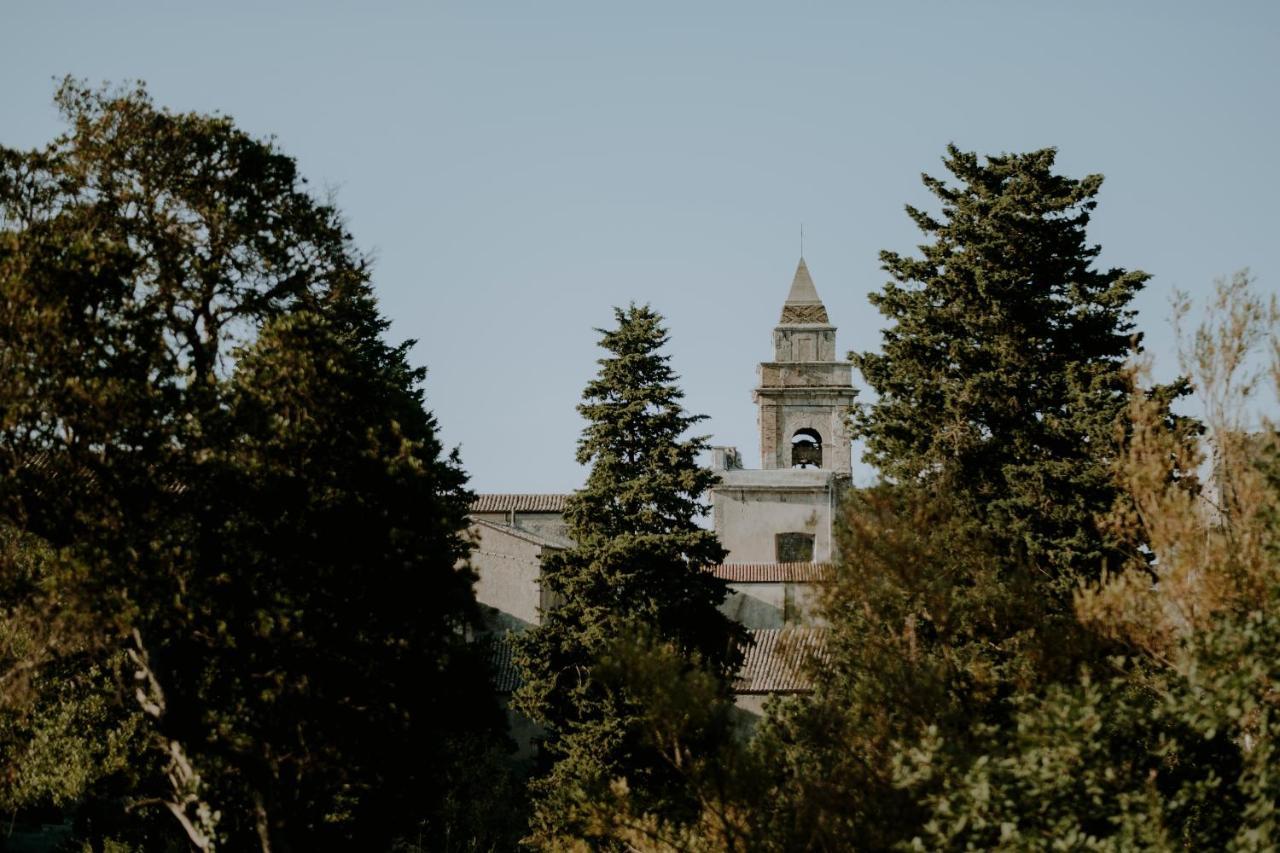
62,732
998,425
1175,748
1003,376
1083,766
638,565
198,407
1161,759
931,626
69,736
686,721
484,806
1230,696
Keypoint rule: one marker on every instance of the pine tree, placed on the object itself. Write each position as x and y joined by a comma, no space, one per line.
1003,375
638,568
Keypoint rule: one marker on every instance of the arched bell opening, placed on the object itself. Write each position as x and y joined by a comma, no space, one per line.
806,449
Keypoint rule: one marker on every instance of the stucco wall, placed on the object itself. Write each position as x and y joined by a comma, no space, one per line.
772,605
547,524
747,520
509,569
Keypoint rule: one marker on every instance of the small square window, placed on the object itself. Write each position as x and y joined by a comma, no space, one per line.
794,547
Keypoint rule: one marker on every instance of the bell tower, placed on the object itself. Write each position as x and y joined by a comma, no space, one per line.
804,394
781,515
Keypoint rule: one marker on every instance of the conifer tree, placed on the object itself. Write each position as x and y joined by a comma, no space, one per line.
638,568
1002,392
1002,377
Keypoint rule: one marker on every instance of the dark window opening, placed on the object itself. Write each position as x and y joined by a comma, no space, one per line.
806,449
794,547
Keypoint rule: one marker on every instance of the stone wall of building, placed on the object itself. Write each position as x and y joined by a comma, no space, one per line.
752,507
509,566
772,605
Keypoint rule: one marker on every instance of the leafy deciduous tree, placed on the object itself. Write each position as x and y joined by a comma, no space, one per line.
198,408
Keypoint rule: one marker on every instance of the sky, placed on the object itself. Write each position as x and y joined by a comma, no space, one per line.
517,169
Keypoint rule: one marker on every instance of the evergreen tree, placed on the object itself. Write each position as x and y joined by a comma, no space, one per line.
1000,422
638,567
1003,377
1172,746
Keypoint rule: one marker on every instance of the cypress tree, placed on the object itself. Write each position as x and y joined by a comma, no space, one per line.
638,568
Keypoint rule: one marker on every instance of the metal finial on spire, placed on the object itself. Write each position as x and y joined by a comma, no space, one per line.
802,239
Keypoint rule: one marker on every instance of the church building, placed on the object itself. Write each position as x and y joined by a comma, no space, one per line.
775,521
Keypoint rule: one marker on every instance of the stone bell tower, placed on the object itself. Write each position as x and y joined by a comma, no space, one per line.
781,514
804,393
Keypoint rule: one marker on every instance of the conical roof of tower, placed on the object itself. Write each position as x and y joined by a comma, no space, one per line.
803,304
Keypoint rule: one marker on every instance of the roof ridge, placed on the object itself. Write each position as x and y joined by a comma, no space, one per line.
519,502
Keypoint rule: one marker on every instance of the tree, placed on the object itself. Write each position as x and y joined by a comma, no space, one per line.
61,731
1003,388
1003,377
686,720
638,568
1176,748
199,411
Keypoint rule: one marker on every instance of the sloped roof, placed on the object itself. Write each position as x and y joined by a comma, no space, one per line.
506,675
778,661
772,572
518,503
802,289
775,663
803,304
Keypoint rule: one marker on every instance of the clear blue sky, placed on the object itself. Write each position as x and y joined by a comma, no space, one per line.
519,168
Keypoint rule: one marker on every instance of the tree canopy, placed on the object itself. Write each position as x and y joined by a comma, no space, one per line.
1004,373
638,569
199,411
1000,419
233,553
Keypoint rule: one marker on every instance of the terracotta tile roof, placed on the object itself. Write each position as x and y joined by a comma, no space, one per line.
518,503
772,572
506,675
775,663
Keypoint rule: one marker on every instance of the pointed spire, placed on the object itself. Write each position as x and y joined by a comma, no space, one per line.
803,304
802,289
